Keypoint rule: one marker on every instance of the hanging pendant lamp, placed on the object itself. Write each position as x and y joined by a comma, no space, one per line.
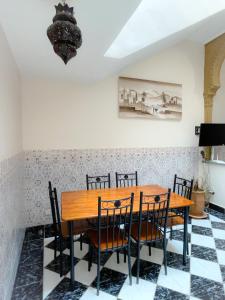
64,34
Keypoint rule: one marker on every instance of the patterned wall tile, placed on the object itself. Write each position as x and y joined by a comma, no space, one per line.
67,169
12,221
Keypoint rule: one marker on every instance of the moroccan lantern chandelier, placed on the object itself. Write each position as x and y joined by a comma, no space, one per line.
64,34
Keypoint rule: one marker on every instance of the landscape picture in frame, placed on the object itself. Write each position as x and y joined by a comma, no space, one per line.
139,98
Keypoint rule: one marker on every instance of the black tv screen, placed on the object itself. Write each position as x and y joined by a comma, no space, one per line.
212,134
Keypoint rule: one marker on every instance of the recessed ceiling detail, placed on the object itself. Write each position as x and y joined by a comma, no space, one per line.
25,23
154,20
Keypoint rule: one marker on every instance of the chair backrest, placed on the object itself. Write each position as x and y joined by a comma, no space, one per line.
126,180
98,182
115,218
153,210
55,209
183,187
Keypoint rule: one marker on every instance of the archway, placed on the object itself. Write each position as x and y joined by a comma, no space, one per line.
214,58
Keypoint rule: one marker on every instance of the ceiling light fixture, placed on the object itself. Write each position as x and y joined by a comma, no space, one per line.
64,34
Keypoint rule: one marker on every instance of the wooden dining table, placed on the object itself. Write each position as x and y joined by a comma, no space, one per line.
83,205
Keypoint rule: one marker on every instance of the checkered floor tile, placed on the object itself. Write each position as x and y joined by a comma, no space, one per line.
203,277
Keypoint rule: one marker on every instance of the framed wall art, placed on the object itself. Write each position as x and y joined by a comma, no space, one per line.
149,99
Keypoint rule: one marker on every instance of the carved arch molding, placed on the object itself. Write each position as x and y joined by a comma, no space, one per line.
214,58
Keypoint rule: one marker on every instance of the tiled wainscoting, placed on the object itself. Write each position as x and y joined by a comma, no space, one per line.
67,170
203,277
12,219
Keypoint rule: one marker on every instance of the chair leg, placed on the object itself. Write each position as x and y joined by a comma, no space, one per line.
125,255
149,250
90,256
171,232
138,261
164,255
187,247
81,242
55,247
61,260
129,265
98,272
118,256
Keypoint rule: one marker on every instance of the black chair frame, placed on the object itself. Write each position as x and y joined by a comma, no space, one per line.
56,224
182,187
126,180
98,182
93,183
58,237
156,214
115,218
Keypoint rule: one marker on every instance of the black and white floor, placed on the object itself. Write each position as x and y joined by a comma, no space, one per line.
202,278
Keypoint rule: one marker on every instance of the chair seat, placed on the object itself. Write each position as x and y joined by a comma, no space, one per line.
174,219
78,227
118,240
148,232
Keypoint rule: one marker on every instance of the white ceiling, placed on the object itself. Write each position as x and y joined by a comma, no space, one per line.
160,19
25,23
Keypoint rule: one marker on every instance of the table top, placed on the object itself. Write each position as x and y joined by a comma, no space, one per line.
83,204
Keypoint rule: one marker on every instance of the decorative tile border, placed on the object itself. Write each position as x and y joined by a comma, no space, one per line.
12,219
67,170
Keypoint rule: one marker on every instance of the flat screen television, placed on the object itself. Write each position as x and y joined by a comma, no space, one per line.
212,134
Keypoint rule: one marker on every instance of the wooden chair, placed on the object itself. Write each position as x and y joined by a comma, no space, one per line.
126,180
183,187
98,182
114,228
61,230
151,226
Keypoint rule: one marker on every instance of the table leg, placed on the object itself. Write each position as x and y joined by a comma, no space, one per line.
185,243
70,224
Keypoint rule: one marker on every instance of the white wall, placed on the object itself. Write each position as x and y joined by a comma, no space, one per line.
216,183
11,187
59,115
10,103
